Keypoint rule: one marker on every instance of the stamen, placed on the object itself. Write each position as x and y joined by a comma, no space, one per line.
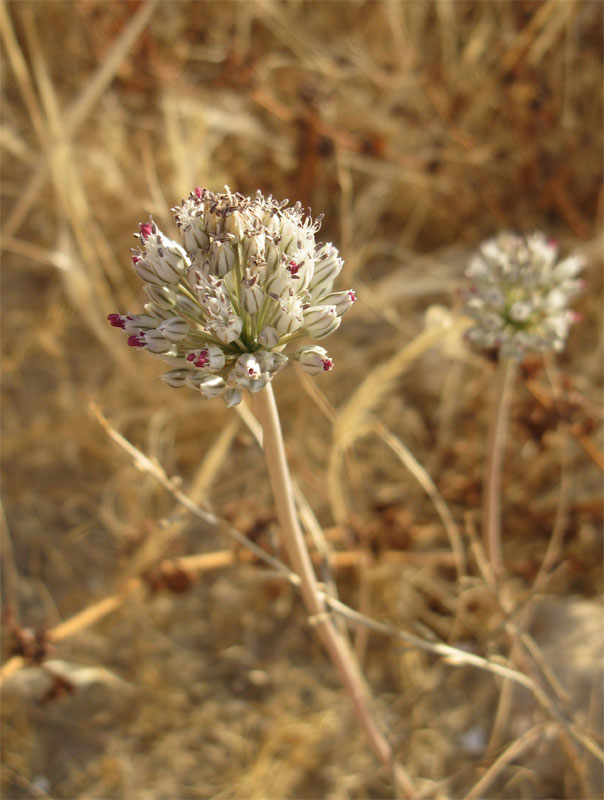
116,320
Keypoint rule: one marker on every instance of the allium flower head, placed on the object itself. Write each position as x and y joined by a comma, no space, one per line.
520,293
246,280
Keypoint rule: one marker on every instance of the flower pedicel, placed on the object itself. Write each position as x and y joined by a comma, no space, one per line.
247,280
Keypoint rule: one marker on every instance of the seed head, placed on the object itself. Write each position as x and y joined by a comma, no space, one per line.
519,295
247,279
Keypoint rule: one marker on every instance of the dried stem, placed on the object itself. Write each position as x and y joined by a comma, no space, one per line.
422,476
201,562
336,645
517,748
491,519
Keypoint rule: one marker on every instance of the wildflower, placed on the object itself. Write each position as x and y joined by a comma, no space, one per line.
247,279
519,294
314,360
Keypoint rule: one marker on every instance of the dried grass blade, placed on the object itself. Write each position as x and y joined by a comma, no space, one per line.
78,112
355,418
425,481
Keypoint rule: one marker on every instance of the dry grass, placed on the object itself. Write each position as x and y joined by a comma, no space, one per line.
418,128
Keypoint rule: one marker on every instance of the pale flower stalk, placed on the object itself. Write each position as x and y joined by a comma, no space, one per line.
518,297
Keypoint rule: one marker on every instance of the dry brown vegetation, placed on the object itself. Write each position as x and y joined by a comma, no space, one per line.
418,129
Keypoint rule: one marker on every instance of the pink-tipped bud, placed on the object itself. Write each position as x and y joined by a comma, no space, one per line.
136,341
314,359
320,321
146,230
116,320
198,192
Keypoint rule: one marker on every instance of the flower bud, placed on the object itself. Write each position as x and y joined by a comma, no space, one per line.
170,355
211,358
161,296
268,337
234,223
289,319
166,258
145,273
187,306
194,237
341,300
328,266
158,314
169,272
232,397
175,328
271,255
134,323
175,377
314,359
320,321
252,295
212,386
271,363
226,330
279,283
222,257
157,343
259,383
254,245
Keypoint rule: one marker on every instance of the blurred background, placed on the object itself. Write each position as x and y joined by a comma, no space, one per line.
418,129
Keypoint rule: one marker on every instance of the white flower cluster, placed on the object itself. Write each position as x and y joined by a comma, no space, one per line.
247,280
519,294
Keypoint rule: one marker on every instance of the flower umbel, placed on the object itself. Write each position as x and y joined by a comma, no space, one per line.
246,281
519,294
